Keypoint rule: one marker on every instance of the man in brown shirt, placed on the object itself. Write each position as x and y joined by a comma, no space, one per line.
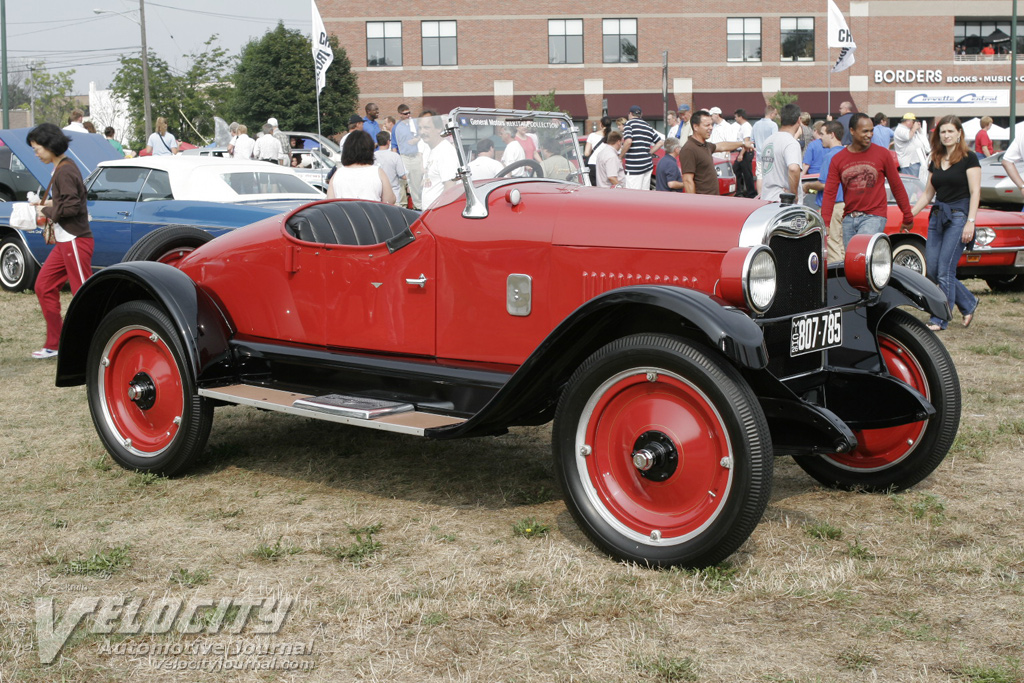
695,160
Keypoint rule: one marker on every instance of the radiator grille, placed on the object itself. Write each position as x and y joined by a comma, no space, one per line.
799,290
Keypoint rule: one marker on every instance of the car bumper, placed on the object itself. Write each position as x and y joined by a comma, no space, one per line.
991,261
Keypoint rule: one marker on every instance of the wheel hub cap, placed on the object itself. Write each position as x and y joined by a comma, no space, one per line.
141,391
655,456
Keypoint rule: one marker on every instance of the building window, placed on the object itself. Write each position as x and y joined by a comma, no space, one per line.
565,41
797,39
743,39
972,36
439,43
383,43
619,41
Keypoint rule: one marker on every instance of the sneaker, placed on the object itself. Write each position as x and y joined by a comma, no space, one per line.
44,353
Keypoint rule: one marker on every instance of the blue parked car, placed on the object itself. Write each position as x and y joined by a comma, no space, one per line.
149,208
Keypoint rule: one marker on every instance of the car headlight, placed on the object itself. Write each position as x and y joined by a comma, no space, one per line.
984,236
748,278
868,262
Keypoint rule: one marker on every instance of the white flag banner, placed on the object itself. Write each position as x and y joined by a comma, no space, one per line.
323,55
839,35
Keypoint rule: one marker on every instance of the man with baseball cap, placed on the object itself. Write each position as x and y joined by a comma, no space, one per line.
910,144
286,144
721,131
683,129
639,143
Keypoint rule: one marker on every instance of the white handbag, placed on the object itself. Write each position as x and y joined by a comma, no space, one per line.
23,216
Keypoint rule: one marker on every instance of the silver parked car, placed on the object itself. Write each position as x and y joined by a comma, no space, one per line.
996,186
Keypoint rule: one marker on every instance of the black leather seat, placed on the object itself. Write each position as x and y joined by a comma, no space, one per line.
353,223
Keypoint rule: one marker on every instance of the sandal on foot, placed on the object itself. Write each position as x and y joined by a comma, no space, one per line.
935,328
969,318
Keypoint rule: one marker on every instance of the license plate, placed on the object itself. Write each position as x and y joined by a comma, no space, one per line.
816,331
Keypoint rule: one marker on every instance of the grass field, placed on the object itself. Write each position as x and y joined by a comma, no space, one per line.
399,559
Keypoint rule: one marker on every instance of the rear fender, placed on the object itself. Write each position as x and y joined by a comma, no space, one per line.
202,327
531,393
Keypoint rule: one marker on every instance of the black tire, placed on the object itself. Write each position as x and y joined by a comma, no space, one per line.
538,170
6,196
168,244
899,457
1006,283
165,426
694,510
18,268
910,255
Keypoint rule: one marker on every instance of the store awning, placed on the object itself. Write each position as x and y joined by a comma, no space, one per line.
574,105
442,104
729,102
650,103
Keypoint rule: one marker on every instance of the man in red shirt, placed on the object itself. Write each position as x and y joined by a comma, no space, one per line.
982,142
862,169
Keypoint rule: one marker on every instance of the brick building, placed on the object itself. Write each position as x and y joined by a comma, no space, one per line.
912,55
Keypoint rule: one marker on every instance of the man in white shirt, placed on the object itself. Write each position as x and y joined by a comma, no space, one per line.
513,151
783,158
268,147
721,131
243,144
391,162
1014,155
75,122
440,165
485,165
607,161
911,145
744,165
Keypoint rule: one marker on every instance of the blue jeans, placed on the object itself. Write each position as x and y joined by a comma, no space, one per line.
942,251
912,169
866,224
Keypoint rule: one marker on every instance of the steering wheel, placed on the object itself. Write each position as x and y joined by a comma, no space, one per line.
538,171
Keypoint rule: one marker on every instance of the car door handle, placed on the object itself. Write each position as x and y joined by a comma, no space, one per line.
421,281
124,213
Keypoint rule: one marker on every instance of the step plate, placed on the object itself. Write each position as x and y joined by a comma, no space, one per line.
412,422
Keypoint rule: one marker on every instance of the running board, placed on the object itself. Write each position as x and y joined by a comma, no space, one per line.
410,422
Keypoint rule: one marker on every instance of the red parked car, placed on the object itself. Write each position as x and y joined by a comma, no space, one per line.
679,343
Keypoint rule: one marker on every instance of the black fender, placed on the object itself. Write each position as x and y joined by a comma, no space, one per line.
906,288
202,327
531,393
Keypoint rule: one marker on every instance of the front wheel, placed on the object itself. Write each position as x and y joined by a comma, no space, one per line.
909,255
1006,283
142,393
896,458
663,452
18,268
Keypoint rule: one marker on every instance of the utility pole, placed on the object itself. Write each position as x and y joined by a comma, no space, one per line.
3,63
664,89
1013,73
145,71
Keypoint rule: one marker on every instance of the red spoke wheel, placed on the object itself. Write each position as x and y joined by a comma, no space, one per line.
142,395
899,457
663,452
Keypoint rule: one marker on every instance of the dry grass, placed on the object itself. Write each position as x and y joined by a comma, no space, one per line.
409,560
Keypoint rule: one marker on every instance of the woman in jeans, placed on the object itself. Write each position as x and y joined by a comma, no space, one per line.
954,179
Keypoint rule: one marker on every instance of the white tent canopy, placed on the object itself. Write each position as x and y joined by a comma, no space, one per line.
972,127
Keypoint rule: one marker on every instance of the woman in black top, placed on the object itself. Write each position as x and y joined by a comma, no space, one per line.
955,181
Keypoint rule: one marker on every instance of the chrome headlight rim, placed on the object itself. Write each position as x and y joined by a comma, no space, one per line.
878,266
984,236
749,270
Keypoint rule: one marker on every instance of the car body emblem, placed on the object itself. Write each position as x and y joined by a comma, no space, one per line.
813,262
798,223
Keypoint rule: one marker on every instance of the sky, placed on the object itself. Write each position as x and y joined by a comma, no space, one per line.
67,34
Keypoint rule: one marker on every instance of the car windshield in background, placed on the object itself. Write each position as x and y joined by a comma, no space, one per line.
551,138
913,186
257,182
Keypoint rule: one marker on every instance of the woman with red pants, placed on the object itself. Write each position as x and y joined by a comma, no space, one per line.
71,257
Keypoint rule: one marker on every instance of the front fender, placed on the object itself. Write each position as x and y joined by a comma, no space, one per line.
202,327
531,393
906,288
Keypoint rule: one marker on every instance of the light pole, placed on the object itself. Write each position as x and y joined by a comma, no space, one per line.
141,21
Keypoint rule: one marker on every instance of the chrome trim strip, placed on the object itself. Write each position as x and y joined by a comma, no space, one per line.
769,219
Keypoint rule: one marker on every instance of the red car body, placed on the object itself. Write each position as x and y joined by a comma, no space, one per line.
678,343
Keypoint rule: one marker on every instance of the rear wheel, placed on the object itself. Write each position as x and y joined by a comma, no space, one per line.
168,245
142,394
663,452
899,457
18,269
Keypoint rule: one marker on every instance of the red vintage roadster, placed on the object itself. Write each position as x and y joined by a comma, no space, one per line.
679,343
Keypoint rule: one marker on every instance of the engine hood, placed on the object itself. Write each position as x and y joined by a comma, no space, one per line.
87,150
631,219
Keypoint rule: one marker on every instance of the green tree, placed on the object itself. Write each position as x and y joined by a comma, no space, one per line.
781,99
545,102
188,100
52,93
275,77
